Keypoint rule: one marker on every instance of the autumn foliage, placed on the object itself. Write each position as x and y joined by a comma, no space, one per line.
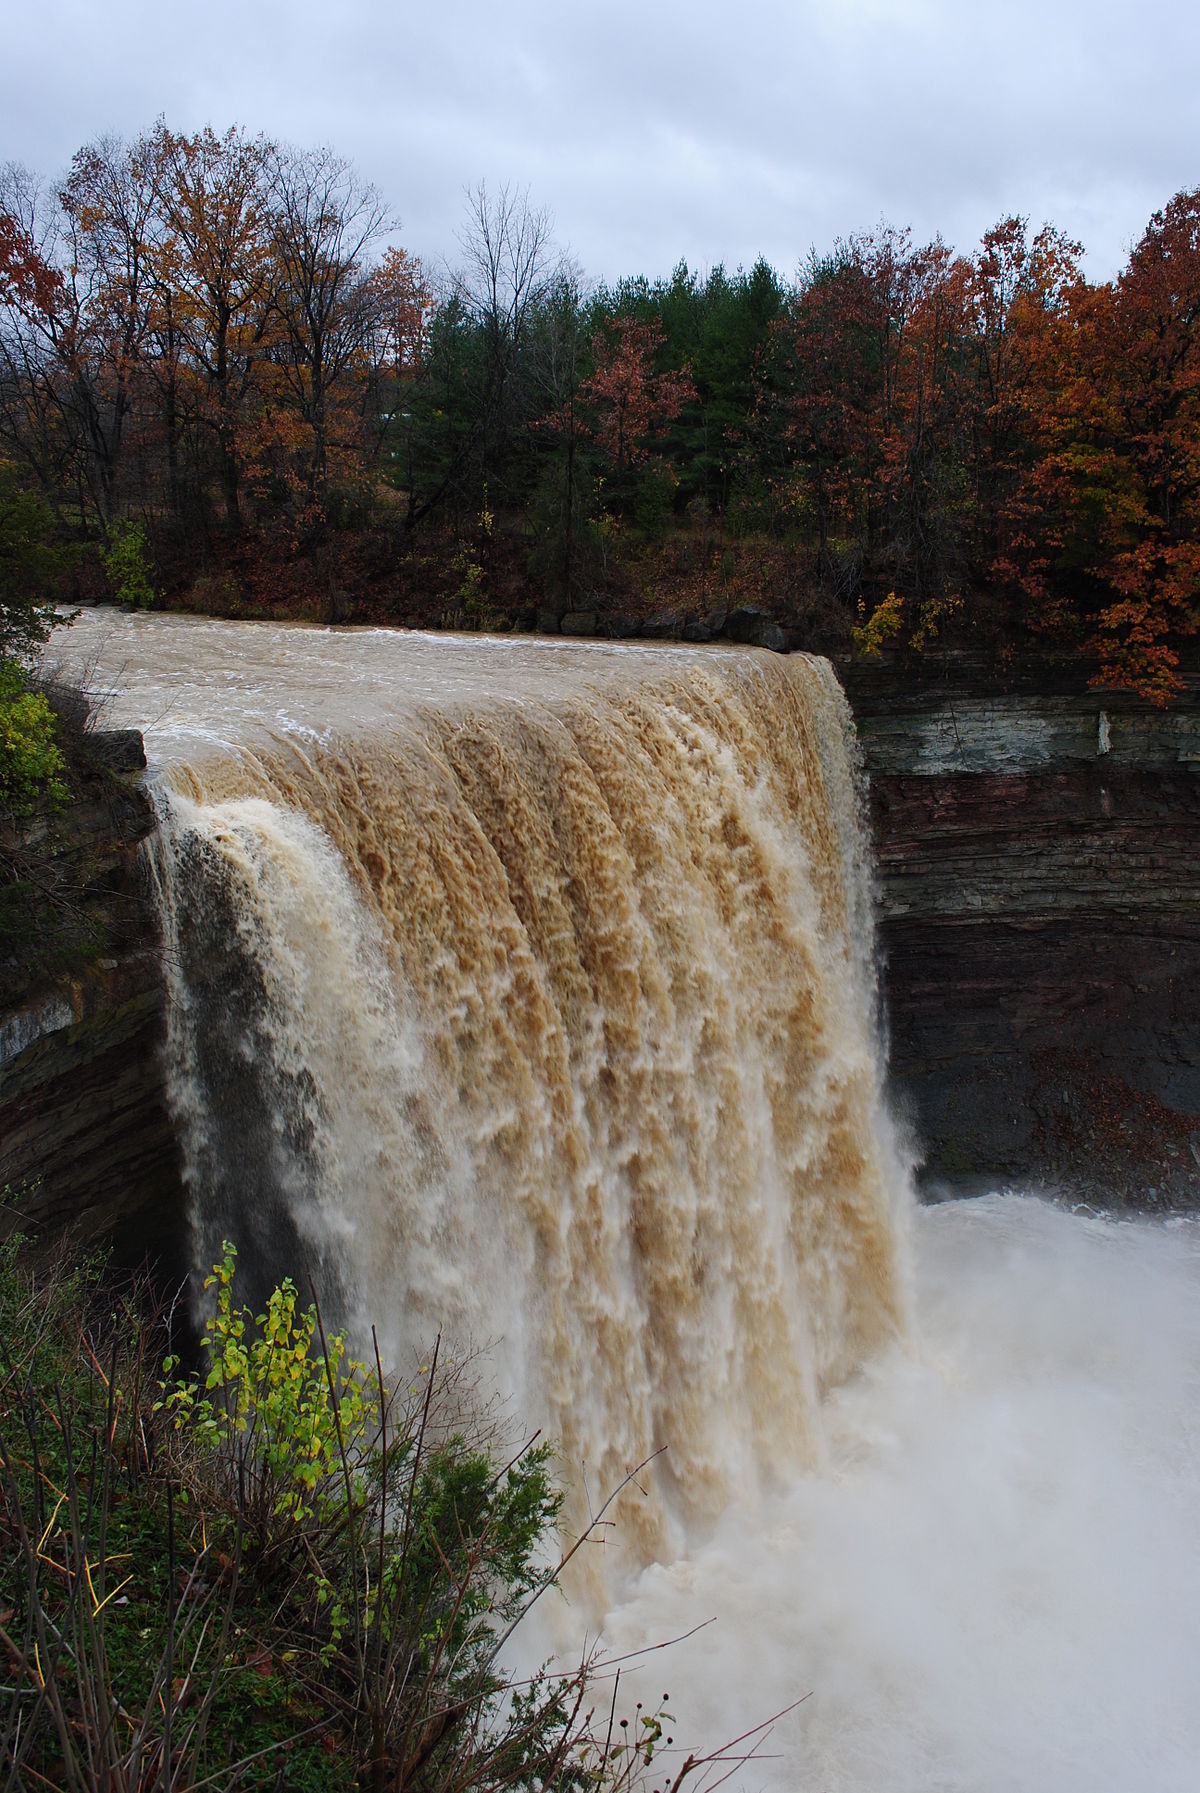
222,340
192,323
998,432
632,402
27,283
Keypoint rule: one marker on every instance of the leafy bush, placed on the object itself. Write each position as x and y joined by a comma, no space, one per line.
876,630
277,1414
31,762
31,560
128,565
273,1571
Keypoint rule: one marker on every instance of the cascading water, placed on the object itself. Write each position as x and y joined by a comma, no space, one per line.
541,1017
524,991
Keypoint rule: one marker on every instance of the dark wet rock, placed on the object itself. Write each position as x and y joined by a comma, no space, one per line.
120,749
756,628
86,1142
1040,933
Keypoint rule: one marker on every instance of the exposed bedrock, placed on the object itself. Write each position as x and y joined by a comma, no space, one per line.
86,1142
1039,870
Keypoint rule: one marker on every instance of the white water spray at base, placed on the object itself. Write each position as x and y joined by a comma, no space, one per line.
994,1582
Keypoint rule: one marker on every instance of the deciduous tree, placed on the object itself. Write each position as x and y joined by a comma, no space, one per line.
631,401
325,222
217,206
26,280
1155,569
509,264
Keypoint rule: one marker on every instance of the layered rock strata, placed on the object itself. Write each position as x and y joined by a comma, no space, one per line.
86,1142
1039,874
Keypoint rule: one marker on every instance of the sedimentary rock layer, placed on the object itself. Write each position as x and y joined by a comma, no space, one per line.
1039,874
86,1144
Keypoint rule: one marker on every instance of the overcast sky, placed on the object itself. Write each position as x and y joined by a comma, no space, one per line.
654,130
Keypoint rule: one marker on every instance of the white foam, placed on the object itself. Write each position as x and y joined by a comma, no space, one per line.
995,1581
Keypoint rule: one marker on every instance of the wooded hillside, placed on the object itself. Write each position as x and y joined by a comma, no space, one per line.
235,390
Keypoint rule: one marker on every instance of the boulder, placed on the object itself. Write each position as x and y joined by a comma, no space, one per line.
756,627
120,749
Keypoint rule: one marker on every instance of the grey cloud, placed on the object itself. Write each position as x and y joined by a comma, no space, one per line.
659,130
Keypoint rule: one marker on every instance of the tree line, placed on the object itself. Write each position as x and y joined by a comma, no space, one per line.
215,341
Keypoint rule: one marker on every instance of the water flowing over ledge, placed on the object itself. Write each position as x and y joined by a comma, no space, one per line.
525,990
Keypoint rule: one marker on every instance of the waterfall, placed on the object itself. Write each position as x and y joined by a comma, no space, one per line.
534,1007
524,991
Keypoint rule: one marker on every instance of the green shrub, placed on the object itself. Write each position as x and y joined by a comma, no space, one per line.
270,1572
32,561
284,1413
128,565
31,762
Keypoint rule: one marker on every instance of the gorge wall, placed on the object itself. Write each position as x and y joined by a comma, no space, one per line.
1039,878
86,1142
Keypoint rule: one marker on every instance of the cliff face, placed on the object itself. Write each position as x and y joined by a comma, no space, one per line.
1039,868
85,1139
